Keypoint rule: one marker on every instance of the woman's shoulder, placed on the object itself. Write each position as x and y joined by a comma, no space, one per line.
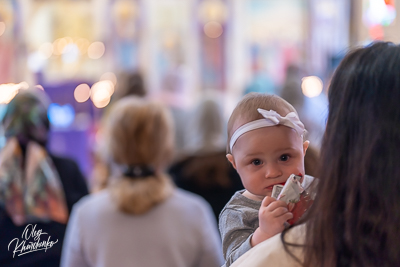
93,201
189,201
272,252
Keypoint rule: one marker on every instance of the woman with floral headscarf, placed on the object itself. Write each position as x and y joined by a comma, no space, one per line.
37,190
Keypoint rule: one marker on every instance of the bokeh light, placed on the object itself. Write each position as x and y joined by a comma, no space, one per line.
8,92
101,98
96,50
311,86
82,93
378,12
23,85
58,46
110,77
125,9
61,116
103,85
212,10
213,29
83,45
101,93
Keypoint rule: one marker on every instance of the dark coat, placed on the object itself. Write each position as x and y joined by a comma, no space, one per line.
75,187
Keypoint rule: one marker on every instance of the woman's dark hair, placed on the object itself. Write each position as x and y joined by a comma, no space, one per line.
355,219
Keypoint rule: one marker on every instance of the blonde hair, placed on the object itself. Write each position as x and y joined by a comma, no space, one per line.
140,132
246,110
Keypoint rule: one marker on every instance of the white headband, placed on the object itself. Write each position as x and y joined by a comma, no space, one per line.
271,118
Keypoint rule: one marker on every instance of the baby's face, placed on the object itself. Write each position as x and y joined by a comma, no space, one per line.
268,156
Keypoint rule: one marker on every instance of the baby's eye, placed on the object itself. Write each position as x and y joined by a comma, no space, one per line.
256,162
284,158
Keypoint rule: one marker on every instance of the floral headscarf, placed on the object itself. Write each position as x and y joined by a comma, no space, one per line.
30,187
26,117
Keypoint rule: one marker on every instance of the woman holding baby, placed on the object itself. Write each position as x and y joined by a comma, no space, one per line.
355,218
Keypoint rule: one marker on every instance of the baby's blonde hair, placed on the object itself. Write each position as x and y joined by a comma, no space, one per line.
140,132
246,110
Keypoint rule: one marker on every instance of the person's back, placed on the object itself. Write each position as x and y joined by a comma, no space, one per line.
37,189
211,176
205,170
172,234
141,219
74,188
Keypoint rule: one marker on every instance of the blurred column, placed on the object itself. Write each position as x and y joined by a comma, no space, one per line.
126,31
264,37
328,34
170,55
212,26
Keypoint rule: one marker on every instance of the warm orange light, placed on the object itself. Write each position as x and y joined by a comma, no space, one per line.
23,85
82,93
213,29
58,46
100,98
96,50
212,10
312,86
102,103
101,93
82,44
8,92
103,85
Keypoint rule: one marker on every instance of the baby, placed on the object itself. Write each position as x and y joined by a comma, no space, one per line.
265,146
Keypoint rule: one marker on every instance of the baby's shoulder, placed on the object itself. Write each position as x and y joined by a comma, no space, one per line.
240,208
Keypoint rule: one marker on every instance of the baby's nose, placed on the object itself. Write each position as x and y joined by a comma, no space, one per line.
272,171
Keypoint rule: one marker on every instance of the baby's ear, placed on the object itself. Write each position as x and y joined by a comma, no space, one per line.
305,147
231,160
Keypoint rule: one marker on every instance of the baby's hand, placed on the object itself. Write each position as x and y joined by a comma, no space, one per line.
272,216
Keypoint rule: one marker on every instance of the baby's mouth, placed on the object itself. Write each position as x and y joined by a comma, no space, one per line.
272,186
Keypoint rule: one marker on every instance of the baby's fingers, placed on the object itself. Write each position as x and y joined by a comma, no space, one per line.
287,216
276,204
267,201
280,211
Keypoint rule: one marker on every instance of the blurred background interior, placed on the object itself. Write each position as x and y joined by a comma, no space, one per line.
85,54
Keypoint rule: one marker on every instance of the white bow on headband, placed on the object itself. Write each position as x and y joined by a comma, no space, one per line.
271,118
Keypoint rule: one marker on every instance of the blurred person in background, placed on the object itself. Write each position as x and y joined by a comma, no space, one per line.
176,92
129,84
205,170
37,189
141,219
312,111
